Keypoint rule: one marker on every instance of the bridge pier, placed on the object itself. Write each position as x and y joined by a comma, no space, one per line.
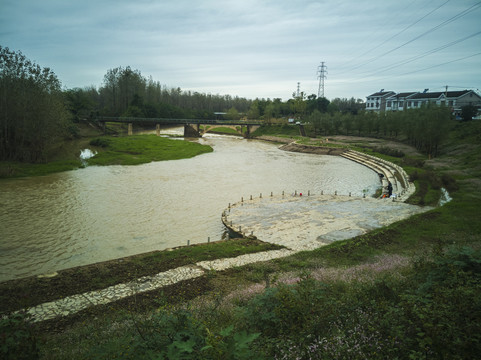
192,130
250,129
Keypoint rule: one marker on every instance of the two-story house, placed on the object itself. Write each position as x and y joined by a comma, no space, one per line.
390,101
377,101
398,102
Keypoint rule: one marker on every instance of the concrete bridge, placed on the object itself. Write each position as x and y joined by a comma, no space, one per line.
192,127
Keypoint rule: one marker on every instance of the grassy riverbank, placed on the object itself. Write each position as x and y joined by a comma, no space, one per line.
140,149
411,290
126,150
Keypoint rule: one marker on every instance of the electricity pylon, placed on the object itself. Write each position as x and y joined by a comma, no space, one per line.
321,74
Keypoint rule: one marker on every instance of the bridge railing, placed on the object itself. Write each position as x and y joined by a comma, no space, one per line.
169,121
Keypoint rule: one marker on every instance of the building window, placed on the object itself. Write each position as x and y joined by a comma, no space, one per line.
401,103
409,103
388,104
415,104
451,103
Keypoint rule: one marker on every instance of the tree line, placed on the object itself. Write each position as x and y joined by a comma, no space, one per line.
36,114
424,128
32,109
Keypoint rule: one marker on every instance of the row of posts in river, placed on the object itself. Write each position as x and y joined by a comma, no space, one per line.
272,194
295,194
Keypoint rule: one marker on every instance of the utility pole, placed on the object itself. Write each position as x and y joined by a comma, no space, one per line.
321,75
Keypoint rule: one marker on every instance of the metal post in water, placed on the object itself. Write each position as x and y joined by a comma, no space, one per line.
322,192
251,197
242,199
335,192
260,195
282,192
349,193
295,193
308,192
271,193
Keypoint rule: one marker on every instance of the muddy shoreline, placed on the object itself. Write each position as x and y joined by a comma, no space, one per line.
309,149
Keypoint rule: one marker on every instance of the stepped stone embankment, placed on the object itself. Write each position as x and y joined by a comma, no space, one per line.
402,187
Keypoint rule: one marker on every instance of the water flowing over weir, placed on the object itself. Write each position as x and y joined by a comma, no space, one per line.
101,213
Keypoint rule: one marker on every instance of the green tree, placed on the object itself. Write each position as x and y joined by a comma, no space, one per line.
298,105
253,112
120,87
468,112
232,114
316,121
82,102
33,116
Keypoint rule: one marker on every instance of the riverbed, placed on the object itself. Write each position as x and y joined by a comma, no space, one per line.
100,213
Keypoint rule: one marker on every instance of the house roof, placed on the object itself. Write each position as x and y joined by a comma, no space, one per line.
402,95
382,93
435,95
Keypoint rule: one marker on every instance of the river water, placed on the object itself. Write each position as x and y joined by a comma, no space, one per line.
100,213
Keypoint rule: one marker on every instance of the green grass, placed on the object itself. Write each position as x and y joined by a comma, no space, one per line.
224,130
128,150
278,130
13,169
103,275
428,308
140,149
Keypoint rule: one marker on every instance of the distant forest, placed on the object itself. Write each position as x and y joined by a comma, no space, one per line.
36,113
126,92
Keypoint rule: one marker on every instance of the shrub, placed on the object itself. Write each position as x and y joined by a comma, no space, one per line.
16,338
390,152
286,309
100,142
449,183
178,334
419,163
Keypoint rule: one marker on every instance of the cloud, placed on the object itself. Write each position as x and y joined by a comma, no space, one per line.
251,48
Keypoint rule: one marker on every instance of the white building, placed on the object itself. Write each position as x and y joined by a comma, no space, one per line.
377,101
390,101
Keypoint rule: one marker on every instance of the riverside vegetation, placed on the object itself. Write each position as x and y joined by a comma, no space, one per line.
408,291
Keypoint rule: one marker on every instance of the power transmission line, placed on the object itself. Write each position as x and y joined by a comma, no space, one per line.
455,17
417,57
400,32
445,63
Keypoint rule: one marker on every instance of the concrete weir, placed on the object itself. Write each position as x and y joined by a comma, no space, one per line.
307,222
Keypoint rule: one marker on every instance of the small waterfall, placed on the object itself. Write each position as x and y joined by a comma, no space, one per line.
445,198
86,154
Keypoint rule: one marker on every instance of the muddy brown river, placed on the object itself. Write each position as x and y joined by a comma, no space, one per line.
101,213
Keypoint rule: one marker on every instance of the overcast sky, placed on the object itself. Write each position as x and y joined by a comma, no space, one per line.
254,48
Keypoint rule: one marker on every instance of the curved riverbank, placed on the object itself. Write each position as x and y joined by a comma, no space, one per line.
388,171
